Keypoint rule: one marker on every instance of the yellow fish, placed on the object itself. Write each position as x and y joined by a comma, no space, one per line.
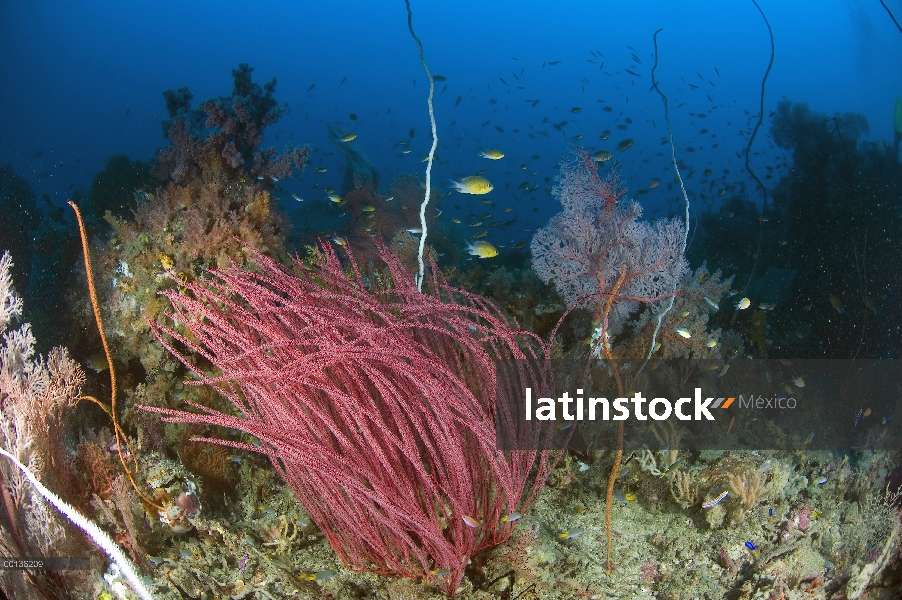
836,303
492,154
482,249
166,261
683,332
335,198
473,185
743,304
602,156
349,138
97,362
368,208
572,534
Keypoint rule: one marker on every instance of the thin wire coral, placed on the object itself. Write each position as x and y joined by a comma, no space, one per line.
111,410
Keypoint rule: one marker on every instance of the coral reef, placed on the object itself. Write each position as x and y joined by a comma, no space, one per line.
310,465
699,297
180,231
385,217
211,211
226,130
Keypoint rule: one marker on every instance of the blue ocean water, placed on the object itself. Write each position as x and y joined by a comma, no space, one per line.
83,81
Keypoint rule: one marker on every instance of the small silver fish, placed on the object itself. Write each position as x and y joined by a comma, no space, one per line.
571,535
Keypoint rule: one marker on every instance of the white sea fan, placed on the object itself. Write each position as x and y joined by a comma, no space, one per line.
584,248
36,395
10,304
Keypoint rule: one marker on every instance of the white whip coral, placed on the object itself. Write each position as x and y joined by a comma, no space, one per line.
96,533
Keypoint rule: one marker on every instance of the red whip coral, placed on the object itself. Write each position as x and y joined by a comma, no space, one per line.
375,403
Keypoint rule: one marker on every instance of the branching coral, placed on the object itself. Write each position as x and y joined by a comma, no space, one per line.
669,439
699,296
181,230
583,248
383,218
747,486
682,488
237,123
